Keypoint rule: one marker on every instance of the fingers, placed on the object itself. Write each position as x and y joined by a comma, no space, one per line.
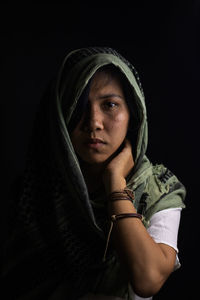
127,145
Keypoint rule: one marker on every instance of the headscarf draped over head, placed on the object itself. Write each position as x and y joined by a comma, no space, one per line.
59,235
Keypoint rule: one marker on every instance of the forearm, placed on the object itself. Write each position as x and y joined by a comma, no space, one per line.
144,260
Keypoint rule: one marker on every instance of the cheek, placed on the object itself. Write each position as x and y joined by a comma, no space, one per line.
120,122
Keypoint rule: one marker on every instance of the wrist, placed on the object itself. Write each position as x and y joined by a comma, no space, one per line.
121,201
119,207
114,183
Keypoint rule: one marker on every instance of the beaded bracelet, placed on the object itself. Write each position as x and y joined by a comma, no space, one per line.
114,218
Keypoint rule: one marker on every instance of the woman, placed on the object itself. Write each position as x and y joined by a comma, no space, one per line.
95,219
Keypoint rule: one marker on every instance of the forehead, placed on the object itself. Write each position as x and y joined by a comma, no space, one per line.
103,80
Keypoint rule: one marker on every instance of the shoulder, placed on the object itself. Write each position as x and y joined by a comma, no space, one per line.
166,182
163,190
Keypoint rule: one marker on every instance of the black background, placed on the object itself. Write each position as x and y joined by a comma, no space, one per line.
161,39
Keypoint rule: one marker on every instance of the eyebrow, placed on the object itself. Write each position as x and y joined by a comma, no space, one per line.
111,96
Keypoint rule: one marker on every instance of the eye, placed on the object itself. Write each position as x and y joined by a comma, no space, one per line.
110,104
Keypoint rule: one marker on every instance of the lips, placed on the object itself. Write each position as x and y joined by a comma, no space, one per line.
95,143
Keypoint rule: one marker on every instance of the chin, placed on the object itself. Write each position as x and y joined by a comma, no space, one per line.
94,159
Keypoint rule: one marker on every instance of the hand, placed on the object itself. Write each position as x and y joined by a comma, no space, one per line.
118,168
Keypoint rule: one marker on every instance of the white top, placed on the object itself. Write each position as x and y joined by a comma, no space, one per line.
163,228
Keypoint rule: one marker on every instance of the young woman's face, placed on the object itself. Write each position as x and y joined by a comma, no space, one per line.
104,124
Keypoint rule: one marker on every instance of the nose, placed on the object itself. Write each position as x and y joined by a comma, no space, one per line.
93,120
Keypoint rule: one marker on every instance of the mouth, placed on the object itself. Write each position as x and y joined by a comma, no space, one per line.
95,143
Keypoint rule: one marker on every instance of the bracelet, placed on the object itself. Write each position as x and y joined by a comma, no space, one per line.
121,195
114,218
127,215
